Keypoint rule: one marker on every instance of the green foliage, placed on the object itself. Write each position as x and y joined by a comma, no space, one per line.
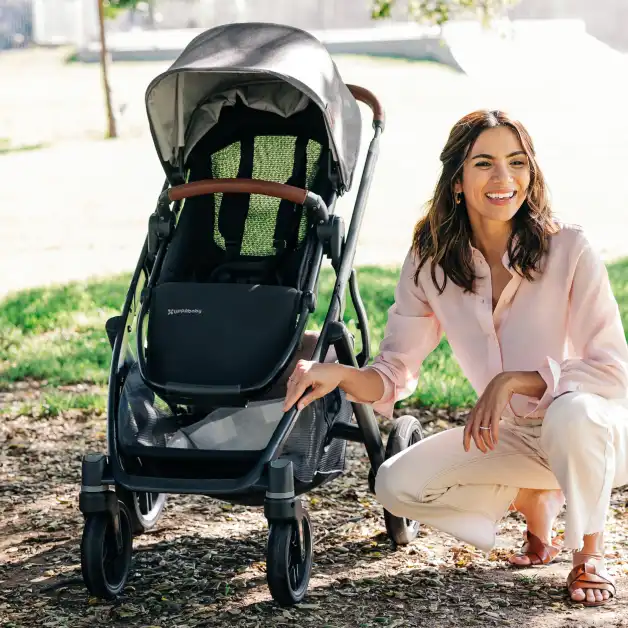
441,11
57,334
113,7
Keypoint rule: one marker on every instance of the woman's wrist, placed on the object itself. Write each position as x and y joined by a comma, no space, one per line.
365,385
528,383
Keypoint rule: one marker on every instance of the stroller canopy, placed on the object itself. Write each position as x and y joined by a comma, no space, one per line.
272,67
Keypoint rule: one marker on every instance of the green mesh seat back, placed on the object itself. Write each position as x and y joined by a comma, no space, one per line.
273,159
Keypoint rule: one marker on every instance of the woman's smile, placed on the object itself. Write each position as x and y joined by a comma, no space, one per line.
501,197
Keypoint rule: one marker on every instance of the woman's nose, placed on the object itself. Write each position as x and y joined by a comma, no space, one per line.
502,173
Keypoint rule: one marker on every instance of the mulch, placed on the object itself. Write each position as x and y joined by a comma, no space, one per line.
204,563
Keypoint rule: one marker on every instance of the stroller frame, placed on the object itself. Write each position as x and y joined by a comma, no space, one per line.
137,500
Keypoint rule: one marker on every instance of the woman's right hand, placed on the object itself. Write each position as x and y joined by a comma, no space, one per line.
322,378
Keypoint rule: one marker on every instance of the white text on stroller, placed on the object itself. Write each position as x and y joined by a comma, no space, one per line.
172,312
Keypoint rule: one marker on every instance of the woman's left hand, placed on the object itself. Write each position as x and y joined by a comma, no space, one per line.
483,422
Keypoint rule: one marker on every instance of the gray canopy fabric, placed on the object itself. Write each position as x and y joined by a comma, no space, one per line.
269,66
277,97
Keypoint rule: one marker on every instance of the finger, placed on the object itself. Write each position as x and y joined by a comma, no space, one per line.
475,432
495,428
466,437
487,436
290,385
296,388
486,432
316,393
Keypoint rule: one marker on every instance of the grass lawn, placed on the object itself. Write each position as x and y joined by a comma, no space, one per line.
56,336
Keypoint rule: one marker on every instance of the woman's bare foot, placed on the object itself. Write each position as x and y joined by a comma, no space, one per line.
597,586
540,509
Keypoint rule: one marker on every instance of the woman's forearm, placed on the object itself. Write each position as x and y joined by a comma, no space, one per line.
528,383
365,386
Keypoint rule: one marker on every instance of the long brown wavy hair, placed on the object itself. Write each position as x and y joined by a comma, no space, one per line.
443,235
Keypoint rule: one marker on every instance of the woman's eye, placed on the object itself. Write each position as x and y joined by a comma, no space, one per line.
518,163
483,164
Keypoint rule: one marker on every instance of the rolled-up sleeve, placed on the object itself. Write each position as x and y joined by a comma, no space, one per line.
412,332
597,335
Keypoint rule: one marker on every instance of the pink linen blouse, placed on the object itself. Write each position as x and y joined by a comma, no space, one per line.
565,324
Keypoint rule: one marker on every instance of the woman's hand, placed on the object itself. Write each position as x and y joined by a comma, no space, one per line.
483,422
322,378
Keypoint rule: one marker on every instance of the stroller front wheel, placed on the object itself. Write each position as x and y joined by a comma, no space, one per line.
289,560
406,432
145,509
105,568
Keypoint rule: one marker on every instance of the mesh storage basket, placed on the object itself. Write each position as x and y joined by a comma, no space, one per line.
147,426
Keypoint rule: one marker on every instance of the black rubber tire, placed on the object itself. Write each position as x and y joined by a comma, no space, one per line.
406,431
287,574
144,513
104,571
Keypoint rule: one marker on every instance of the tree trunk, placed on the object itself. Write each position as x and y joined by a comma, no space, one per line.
111,120
151,13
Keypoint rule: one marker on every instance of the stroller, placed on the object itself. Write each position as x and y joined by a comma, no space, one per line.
258,136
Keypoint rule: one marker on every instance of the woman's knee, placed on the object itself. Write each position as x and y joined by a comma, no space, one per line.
393,484
385,485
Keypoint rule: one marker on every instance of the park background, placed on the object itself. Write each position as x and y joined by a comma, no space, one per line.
74,209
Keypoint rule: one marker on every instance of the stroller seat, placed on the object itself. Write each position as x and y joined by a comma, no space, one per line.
249,238
227,301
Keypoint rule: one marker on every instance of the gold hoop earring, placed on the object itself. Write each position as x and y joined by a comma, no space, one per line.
458,197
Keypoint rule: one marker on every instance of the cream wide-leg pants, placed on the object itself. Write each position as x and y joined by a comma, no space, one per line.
580,446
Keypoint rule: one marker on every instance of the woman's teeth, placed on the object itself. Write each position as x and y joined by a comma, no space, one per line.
501,195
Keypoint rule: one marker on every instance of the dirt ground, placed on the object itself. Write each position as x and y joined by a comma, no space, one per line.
204,563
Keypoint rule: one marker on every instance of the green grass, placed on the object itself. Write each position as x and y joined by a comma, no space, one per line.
7,147
57,335
53,402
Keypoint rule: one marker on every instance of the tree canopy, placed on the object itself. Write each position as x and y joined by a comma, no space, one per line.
441,11
112,7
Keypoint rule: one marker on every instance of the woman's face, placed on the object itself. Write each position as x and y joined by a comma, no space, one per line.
495,175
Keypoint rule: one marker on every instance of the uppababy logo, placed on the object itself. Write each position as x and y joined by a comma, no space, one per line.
172,312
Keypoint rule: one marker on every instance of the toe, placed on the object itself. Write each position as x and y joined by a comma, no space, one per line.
593,596
520,559
577,595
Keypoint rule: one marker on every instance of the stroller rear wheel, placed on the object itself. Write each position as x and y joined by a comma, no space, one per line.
406,432
289,560
145,509
105,568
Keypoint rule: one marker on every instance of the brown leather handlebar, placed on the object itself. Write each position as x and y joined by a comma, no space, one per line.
369,98
245,186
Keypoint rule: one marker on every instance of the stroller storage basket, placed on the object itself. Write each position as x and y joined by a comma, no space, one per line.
227,440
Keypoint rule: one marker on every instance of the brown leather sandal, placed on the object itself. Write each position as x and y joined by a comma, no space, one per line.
588,576
537,552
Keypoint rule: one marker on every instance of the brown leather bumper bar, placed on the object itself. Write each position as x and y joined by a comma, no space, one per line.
245,186
369,98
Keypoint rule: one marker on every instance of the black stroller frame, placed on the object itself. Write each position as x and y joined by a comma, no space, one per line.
113,516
